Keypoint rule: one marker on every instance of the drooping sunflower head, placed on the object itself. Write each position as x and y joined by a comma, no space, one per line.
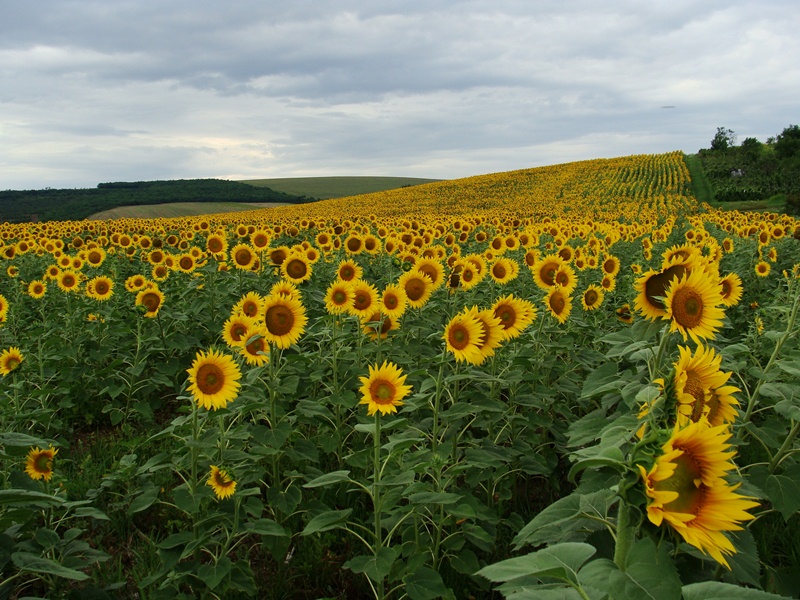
692,304
221,482
10,360
384,389
686,488
284,319
731,289
214,379
700,388
39,463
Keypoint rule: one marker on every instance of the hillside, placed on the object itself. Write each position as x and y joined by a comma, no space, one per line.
323,188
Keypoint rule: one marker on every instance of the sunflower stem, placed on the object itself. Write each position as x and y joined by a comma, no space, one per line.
785,448
376,494
751,402
626,534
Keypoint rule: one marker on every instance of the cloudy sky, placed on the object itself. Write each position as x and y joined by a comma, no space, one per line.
125,90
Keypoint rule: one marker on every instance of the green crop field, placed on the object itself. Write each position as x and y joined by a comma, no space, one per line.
323,188
178,209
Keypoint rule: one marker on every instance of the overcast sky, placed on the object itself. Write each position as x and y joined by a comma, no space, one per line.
120,90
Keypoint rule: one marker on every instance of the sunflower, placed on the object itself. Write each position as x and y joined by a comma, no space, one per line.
250,305
68,280
491,329
515,314
692,305
254,346
700,388
214,379
243,256
216,244
762,269
610,265
384,389
235,328
260,240
544,270
652,288
285,288
558,303
37,289
433,269
566,278
221,482
463,337
151,299
365,298
39,463
186,263
393,301
592,297
417,287
687,490
278,255
296,268
100,288
624,314
135,282
468,276
378,325
503,270
339,297
10,359
349,270
731,290
285,320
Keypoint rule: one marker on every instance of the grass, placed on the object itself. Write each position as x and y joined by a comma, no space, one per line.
178,209
323,188
701,187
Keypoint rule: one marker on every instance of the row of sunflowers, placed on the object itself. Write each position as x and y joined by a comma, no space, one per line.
571,381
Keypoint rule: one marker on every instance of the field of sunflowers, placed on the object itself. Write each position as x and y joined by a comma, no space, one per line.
571,382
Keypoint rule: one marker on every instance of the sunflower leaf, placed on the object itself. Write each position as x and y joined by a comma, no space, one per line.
561,561
714,590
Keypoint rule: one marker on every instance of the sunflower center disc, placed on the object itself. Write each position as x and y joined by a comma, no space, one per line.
279,320
687,308
382,392
459,338
557,303
415,289
210,379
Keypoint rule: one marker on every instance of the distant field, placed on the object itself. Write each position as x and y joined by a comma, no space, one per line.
323,188
178,209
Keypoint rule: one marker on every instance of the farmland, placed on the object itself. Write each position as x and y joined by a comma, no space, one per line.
573,381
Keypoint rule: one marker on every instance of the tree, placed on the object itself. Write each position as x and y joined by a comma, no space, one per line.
723,139
787,143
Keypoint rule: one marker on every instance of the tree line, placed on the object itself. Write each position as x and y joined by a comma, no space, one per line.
754,170
75,204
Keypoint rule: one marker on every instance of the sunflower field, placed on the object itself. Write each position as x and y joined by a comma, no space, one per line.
570,382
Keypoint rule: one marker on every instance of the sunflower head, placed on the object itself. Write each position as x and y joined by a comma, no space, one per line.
221,482
214,379
39,463
463,337
692,304
384,389
284,319
10,360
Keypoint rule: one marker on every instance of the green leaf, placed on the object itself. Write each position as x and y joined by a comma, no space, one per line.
326,521
27,498
714,590
434,498
600,378
424,584
560,561
745,566
12,438
213,574
375,566
175,540
266,527
563,517
613,459
143,501
328,479
91,511
783,490
32,563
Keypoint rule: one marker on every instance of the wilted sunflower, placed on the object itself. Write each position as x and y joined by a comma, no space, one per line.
39,463
10,359
558,303
151,299
214,379
731,289
365,298
221,482
686,488
463,337
285,320
393,301
417,287
37,289
515,314
384,389
700,388
592,297
692,304
339,297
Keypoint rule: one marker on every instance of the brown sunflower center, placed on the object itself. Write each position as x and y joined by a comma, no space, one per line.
42,463
694,387
687,307
243,257
221,480
260,240
346,273
390,301
95,258
548,273
250,308
12,363
590,297
557,303
68,281
382,392
655,288
210,379
186,262
726,289
339,297
215,245
151,301
458,336
430,272
499,271
362,301
507,316
415,289
101,287
237,331
354,244
562,278
279,320
296,269
256,346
